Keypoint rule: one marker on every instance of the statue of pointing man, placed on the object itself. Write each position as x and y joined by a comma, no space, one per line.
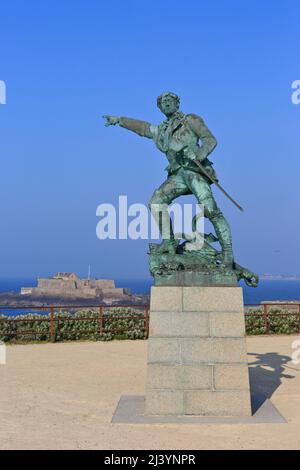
178,137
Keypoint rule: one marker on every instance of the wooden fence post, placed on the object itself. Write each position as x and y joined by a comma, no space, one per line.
101,320
52,325
266,318
147,317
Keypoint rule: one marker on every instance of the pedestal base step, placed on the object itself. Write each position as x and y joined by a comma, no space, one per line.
131,409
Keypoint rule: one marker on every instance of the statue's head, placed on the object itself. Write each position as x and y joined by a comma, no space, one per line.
168,103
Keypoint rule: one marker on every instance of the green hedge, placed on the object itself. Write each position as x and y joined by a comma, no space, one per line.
67,328
279,321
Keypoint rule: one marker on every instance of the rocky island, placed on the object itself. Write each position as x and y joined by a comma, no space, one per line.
69,289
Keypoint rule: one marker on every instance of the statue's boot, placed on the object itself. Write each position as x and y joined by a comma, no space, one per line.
161,216
223,232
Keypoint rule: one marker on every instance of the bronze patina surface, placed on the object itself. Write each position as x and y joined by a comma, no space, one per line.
187,142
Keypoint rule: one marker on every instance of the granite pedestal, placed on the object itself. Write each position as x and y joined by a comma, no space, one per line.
197,356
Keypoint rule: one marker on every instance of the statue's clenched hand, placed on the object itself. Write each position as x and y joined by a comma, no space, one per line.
111,120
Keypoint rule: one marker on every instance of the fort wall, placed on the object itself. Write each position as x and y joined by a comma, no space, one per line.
76,287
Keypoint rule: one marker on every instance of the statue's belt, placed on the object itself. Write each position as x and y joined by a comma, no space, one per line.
181,160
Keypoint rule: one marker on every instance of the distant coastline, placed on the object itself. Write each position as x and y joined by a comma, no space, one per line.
268,289
280,277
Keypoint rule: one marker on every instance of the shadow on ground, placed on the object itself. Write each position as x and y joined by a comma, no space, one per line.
265,374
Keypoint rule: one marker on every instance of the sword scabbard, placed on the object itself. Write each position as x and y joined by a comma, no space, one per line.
218,185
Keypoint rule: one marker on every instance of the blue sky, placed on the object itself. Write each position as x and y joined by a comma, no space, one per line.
65,63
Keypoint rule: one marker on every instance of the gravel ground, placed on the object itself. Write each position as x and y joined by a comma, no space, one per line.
63,396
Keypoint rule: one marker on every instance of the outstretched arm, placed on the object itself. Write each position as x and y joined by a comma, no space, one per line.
208,141
141,128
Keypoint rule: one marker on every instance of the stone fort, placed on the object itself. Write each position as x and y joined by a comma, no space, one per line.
72,286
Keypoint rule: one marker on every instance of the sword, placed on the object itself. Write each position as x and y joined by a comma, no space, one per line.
217,184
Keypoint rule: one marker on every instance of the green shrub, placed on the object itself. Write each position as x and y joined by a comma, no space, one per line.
254,322
70,327
279,321
10,330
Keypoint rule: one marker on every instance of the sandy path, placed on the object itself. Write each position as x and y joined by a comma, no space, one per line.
62,396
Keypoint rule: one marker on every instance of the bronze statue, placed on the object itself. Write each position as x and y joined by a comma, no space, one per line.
189,172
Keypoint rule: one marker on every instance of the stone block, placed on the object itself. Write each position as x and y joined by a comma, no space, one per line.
166,299
164,402
213,299
179,377
227,324
213,350
231,376
179,324
217,403
163,350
